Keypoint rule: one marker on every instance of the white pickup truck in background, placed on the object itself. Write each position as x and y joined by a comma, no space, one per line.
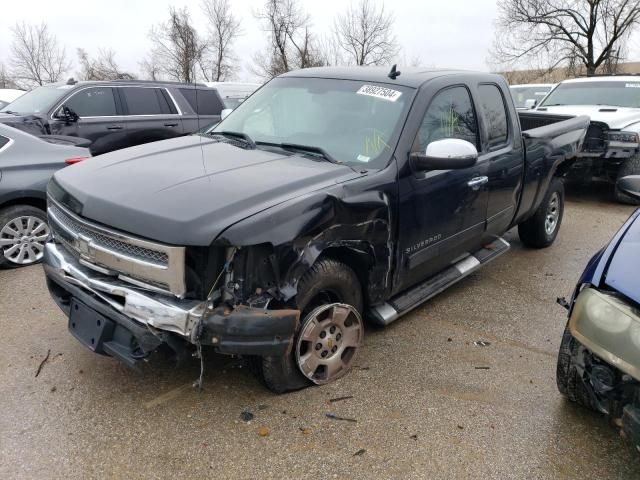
612,147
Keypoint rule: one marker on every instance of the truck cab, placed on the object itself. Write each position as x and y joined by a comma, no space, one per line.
330,196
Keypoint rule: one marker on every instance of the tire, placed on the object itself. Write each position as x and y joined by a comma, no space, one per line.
630,167
534,232
327,281
36,231
567,378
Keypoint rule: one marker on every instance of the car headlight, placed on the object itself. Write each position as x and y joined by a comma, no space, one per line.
624,137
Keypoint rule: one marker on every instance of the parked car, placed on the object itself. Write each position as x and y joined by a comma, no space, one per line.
26,165
328,195
599,358
8,95
612,147
233,93
115,114
528,96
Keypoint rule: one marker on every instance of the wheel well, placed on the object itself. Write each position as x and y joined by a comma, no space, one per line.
360,262
31,201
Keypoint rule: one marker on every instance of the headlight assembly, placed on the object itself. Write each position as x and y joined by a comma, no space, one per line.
623,137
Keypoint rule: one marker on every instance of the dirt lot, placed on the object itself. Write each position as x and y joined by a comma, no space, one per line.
428,402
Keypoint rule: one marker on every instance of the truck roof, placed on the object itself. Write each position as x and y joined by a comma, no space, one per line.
409,77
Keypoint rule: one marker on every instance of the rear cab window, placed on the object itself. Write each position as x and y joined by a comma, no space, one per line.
494,112
3,142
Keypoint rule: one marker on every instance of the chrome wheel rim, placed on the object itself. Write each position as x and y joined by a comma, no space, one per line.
553,214
329,341
22,240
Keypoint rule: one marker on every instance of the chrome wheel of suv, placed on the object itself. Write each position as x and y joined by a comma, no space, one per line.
22,239
328,342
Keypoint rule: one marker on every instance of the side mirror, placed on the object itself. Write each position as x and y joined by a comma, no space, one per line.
225,113
530,103
630,185
445,154
66,114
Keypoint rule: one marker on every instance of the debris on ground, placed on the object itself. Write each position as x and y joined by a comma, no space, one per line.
339,399
246,416
333,416
54,388
305,430
414,436
482,368
460,427
263,431
481,343
360,452
46,359
449,339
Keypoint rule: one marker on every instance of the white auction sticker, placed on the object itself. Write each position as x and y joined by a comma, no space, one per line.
379,92
632,85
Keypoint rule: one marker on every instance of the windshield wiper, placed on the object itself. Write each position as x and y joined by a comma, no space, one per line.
310,149
9,112
236,136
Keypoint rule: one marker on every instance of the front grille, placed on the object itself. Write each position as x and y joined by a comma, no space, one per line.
595,140
141,262
110,243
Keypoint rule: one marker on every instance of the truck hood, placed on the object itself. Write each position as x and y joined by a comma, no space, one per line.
622,273
617,118
187,190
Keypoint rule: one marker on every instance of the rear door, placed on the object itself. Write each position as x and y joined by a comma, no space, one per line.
100,118
206,107
150,114
502,150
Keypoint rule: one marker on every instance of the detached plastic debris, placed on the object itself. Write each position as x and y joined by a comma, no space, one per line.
481,343
246,416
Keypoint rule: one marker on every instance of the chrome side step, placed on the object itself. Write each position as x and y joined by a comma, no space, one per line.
389,311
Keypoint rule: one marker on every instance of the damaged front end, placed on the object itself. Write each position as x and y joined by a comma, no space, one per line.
120,305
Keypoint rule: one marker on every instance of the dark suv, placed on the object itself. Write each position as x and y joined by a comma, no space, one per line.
115,114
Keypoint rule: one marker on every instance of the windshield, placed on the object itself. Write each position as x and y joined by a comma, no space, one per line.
614,93
522,94
355,122
38,100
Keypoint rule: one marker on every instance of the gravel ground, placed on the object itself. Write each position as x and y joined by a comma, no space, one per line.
424,408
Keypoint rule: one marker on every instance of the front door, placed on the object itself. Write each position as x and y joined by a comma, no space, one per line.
442,212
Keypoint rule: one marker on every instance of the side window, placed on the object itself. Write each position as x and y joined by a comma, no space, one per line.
204,102
93,102
495,113
143,101
450,115
3,141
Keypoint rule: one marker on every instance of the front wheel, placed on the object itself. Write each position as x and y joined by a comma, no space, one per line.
542,228
23,234
631,166
330,334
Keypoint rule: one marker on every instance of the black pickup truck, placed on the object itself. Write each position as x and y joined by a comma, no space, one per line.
329,196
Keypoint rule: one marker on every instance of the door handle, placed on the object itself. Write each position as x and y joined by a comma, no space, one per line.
114,127
170,124
475,183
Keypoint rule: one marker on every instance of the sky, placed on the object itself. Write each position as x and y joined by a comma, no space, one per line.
441,33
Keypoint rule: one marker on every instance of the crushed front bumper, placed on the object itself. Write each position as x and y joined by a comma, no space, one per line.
114,318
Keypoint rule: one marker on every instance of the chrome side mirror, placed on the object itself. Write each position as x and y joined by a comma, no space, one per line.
630,185
225,113
445,154
530,103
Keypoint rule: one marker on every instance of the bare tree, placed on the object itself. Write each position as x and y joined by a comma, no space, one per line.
365,34
292,43
585,34
219,63
177,47
103,67
6,81
36,58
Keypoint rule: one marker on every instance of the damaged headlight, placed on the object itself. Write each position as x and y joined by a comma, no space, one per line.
623,137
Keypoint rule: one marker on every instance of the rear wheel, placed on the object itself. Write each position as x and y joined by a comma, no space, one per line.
23,234
631,166
542,228
330,334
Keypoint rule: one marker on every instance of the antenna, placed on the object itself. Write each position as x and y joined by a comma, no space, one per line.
394,73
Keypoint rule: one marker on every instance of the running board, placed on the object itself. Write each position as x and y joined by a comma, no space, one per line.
389,311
